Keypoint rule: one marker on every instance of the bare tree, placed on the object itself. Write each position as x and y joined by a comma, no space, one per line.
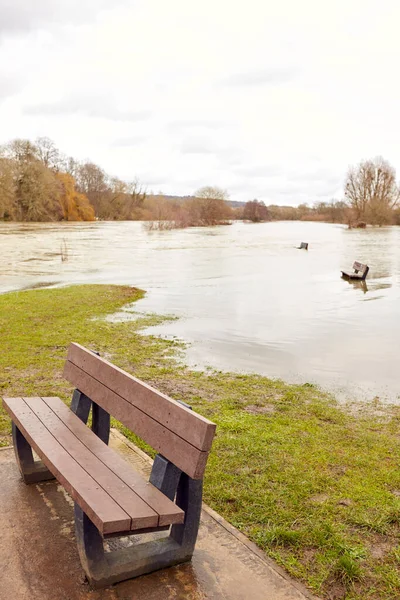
256,211
48,153
209,206
20,150
137,196
92,181
71,166
372,191
212,192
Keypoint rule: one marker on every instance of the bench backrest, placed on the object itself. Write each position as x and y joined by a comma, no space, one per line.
179,434
357,266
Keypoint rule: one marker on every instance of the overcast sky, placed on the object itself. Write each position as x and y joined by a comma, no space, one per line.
268,99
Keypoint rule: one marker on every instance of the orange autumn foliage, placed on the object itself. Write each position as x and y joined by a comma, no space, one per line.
75,206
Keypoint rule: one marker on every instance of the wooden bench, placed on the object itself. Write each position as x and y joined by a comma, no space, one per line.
360,272
111,499
303,246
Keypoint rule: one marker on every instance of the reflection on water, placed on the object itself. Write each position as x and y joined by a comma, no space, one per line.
246,297
357,285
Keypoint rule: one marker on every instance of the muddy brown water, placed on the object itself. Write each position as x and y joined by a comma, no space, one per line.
246,298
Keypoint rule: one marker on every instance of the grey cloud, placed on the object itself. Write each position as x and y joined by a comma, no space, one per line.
286,191
262,171
9,86
155,182
182,124
94,105
197,145
17,16
316,176
149,182
130,141
287,187
261,77
231,156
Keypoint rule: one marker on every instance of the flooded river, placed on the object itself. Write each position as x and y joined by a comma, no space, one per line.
246,298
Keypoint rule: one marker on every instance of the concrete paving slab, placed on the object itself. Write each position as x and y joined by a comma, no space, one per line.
39,559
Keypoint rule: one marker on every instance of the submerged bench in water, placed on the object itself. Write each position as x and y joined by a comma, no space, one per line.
360,272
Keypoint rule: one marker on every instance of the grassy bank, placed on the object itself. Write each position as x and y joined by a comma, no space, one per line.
314,485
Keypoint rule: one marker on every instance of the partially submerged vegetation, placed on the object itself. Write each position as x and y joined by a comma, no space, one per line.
313,484
208,207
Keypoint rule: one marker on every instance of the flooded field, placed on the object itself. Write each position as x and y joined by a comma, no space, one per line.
246,298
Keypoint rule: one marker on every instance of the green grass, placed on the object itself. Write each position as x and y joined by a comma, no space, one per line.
315,486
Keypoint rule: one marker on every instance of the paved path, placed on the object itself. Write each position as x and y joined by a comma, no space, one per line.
39,560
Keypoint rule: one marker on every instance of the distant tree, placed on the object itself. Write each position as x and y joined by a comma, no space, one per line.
7,189
71,166
75,205
47,153
37,196
137,196
212,192
209,206
92,181
256,211
115,205
372,191
304,210
20,150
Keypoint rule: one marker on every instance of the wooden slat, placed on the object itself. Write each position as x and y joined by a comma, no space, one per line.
357,266
108,516
185,456
190,426
141,514
168,511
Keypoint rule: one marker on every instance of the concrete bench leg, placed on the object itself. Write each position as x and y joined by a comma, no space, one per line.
31,471
188,494
81,406
105,568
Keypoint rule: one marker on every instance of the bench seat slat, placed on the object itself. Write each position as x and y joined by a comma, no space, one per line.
105,513
192,427
352,275
176,449
169,513
141,514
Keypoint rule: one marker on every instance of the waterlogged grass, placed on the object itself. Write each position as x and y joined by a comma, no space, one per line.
315,485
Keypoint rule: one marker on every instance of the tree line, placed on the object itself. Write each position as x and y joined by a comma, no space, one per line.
371,196
35,187
40,183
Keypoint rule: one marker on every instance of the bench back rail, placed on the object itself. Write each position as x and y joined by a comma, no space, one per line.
174,431
359,267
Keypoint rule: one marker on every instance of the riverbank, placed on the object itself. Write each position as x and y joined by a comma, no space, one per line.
313,484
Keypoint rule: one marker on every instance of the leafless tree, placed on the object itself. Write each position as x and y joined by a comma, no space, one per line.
48,153
212,192
209,206
372,191
256,211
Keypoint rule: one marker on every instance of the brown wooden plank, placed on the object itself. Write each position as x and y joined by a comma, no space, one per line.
141,514
108,516
357,266
190,426
167,510
185,456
